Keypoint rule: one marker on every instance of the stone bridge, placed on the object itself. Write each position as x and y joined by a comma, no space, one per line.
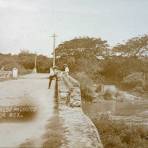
59,120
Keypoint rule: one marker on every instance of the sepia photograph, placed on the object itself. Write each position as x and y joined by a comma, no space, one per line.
74,74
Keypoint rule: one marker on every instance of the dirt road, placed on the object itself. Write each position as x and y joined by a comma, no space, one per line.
30,89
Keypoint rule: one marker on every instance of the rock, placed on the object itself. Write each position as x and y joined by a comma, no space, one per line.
75,104
111,89
105,116
94,101
64,95
124,96
138,89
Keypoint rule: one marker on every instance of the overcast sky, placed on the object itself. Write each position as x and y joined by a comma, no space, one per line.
27,24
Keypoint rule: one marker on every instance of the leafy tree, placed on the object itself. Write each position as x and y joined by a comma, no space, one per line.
81,46
133,46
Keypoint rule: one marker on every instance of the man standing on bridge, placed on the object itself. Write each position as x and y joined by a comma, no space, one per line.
52,75
66,69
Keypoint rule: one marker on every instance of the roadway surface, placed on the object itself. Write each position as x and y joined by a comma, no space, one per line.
32,90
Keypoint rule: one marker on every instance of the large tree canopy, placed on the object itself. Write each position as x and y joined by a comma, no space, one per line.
82,46
133,46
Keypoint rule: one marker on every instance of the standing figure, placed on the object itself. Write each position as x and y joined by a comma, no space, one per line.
51,76
66,69
15,73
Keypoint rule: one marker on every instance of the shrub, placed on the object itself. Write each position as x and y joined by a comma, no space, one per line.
121,135
25,62
133,80
86,90
86,93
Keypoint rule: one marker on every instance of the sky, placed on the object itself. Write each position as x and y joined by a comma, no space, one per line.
28,24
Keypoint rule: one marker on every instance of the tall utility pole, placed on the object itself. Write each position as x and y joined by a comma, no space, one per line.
35,63
54,53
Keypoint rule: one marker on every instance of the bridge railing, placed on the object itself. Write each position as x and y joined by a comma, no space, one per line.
5,74
73,81
74,104
74,95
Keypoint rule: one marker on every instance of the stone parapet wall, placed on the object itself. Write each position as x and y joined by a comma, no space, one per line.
82,132
74,91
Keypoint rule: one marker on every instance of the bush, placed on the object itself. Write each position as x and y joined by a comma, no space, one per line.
98,88
86,93
25,62
133,80
108,95
86,90
121,135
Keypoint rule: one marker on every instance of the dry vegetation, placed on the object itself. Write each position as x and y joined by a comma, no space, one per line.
24,61
27,144
121,135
